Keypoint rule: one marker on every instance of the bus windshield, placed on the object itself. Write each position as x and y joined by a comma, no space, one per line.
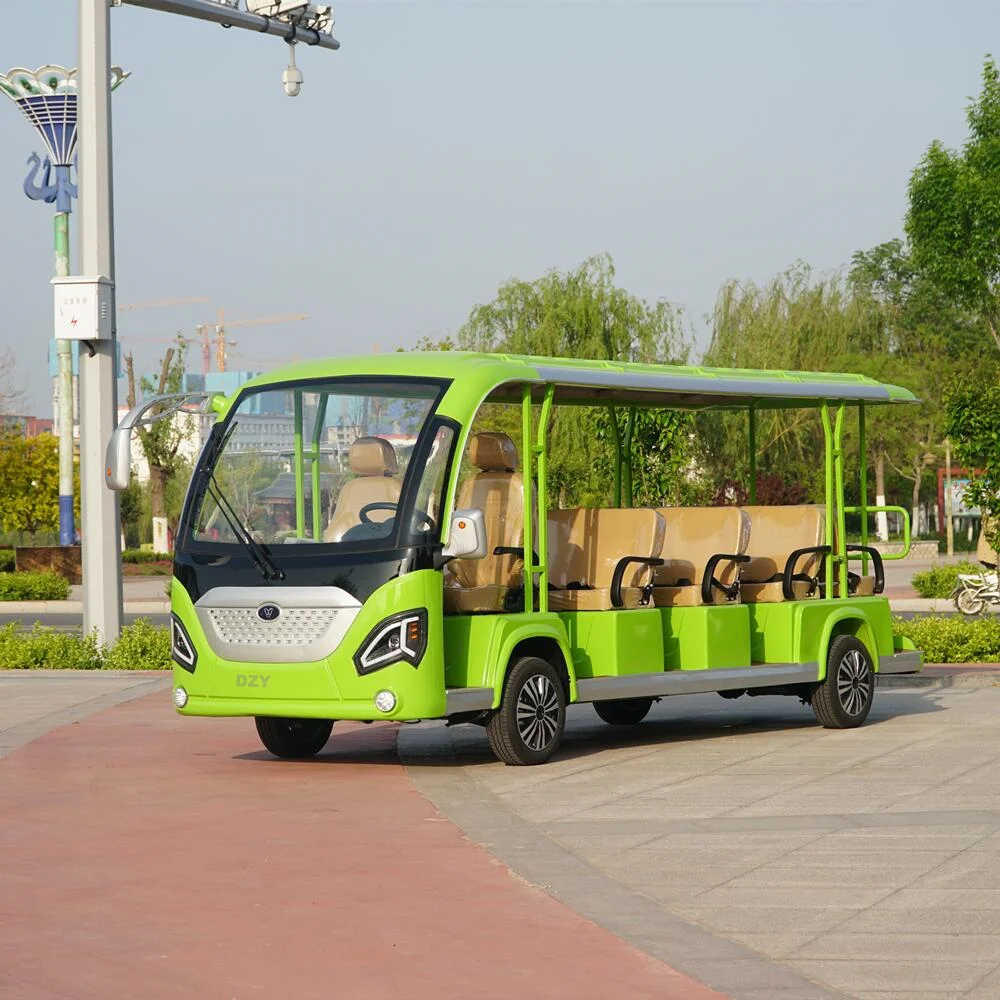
322,462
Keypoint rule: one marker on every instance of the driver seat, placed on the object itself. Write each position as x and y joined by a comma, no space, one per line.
373,461
484,585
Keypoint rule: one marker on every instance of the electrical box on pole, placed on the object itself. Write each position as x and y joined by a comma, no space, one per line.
83,307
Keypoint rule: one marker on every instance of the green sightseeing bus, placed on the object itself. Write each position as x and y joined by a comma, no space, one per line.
358,542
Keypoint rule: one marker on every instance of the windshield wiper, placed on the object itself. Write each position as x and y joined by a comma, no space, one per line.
259,555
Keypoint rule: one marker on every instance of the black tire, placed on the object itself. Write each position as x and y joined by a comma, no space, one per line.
623,711
528,726
293,739
844,699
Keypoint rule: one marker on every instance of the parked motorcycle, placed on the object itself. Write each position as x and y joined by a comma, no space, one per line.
974,591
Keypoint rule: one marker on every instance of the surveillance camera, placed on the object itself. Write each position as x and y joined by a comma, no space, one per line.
292,79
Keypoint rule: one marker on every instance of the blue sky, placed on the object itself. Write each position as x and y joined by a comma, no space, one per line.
449,146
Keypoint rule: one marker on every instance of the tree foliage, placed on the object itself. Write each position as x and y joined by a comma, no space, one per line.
583,313
972,403
953,221
29,483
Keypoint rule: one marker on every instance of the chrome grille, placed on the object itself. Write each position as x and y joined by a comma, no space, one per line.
295,627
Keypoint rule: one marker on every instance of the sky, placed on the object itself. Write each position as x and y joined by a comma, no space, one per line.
450,146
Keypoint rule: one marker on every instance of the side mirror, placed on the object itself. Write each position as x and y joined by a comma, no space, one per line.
118,458
467,536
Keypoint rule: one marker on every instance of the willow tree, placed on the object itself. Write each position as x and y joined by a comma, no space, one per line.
583,313
795,322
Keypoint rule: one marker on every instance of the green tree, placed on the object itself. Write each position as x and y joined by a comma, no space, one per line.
953,221
29,483
583,313
161,441
972,403
796,322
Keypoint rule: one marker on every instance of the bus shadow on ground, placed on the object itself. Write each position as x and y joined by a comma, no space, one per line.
434,745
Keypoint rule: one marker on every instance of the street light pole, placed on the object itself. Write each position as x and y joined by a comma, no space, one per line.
101,525
296,21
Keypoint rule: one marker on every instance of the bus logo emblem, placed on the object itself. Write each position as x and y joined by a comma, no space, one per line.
269,612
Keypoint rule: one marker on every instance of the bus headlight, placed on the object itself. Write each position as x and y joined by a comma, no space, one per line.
181,647
180,697
401,638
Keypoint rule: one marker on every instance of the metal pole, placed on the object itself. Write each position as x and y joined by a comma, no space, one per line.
101,526
67,530
949,525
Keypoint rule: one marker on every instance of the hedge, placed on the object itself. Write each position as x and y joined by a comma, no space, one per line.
6,560
44,586
142,646
953,639
939,581
145,556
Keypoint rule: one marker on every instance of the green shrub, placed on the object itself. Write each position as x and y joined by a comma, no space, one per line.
45,647
953,639
6,560
145,556
141,646
33,587
939,581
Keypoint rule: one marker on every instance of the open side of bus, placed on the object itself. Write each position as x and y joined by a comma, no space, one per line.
464,594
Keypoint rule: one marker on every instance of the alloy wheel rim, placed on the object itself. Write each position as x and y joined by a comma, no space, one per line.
537,712
853,682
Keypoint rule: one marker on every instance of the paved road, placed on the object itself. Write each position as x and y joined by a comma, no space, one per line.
147,856
743,845
735,842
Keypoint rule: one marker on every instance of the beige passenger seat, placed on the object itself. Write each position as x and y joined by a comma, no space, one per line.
787,549
374,464
704,549
484,585
602,558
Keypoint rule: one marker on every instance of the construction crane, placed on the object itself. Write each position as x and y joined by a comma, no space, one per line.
220,336
208,334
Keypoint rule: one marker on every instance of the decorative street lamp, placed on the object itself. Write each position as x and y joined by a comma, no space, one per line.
48,99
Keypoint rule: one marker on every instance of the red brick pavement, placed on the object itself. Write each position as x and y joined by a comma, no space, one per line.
147,856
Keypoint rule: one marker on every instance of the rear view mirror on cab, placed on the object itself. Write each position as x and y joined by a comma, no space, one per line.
467,536
118,458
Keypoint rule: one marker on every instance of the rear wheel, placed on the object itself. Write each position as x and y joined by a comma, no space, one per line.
844,699
528,726
623,711
293,739
968,603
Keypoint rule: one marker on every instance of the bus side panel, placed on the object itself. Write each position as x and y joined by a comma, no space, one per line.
478,648
614,643
706,637
800,631
329,688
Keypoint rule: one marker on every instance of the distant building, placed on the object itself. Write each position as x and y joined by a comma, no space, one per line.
29,427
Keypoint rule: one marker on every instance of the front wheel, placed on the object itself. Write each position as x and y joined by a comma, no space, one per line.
968,603
623,711
528,726
293,739
844,699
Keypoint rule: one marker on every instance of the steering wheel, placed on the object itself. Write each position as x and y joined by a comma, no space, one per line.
419,516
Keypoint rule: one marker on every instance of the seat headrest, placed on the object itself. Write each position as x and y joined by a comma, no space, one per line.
372,456
493,452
